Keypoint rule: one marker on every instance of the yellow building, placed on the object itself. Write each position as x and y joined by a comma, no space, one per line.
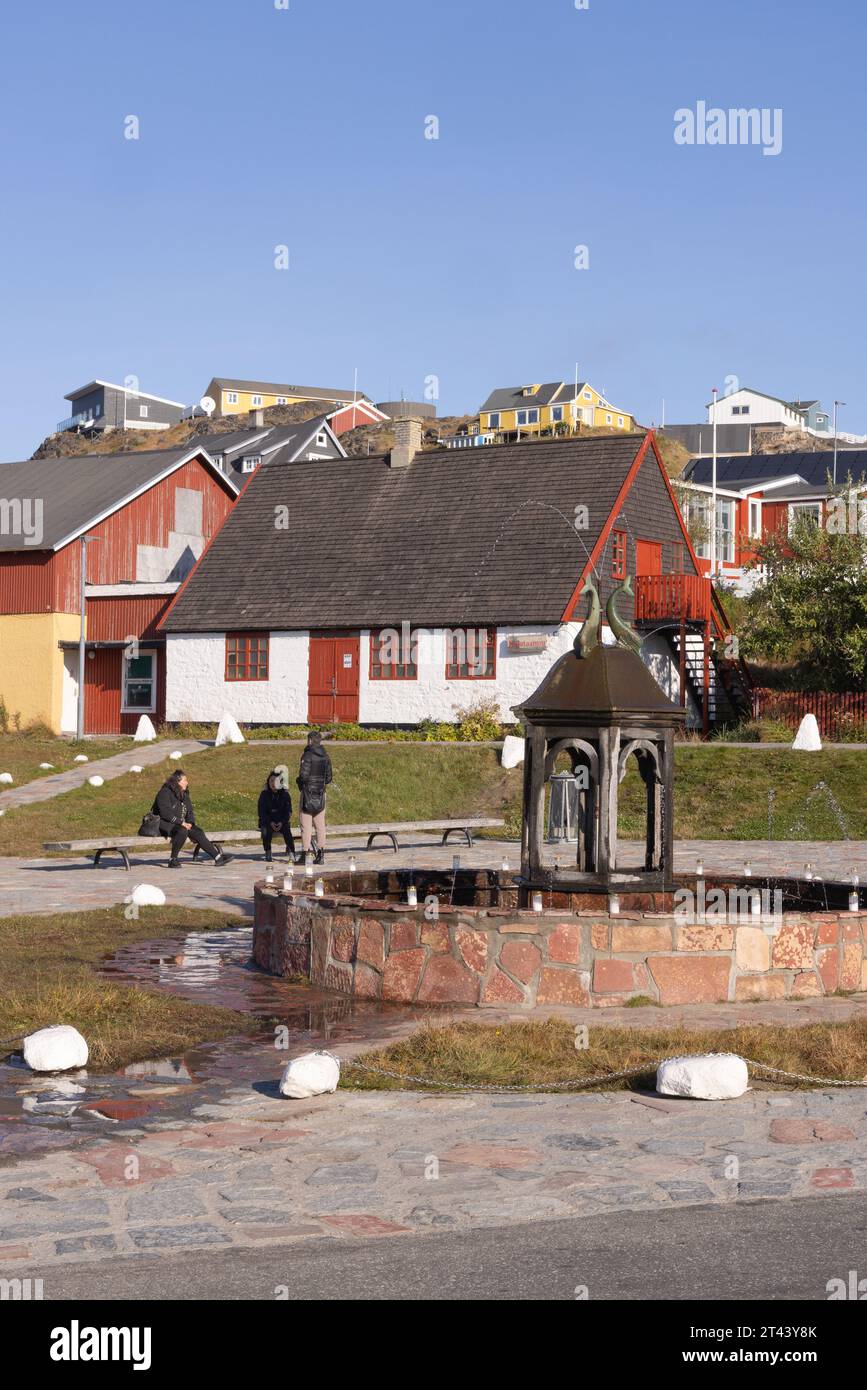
550,406
233,397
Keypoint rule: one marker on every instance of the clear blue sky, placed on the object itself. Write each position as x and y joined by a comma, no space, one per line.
412,257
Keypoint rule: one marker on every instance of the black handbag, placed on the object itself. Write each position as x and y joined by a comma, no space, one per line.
150,825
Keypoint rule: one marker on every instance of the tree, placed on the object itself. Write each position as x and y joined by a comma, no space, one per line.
812,607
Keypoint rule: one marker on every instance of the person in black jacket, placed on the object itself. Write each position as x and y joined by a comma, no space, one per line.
313,778
275,814
178,820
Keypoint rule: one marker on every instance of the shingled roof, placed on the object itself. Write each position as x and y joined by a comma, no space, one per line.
482,536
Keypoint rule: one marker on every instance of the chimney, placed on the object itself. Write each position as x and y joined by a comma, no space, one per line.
407,441
257,419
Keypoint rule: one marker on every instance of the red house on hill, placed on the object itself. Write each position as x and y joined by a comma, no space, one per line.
136,523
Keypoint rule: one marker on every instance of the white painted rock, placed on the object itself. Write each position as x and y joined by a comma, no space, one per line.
808,739
6,777
96,781
46,767
313,1074
135,768
81,758
55,1049
228,731
513,751
147,895
711,1076
145,730
176,755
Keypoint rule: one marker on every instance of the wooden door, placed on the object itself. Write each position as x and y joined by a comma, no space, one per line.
332,694
648,557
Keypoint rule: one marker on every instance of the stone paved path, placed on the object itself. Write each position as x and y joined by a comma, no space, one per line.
248,1168
55,884
46,788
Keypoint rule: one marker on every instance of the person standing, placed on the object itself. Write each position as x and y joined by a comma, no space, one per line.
313,778
275,814
178,820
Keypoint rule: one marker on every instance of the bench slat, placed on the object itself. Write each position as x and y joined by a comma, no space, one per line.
334,832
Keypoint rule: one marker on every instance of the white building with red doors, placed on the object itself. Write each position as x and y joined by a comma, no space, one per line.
387,590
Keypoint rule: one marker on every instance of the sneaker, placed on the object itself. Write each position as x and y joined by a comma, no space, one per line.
174,864
222,859
301,858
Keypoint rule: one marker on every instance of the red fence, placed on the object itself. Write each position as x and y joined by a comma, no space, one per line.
834,713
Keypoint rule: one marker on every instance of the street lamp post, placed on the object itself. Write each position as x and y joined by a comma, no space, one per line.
82,644
713,495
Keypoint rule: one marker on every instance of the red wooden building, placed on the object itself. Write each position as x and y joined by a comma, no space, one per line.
140,521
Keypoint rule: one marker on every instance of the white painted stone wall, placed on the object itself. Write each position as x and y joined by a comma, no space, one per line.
197,690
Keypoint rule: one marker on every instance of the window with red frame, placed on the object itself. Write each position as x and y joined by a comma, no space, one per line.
618,555
247,656
471,654
393,655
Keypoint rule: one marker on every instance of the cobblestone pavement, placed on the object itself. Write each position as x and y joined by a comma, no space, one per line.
57,884
238,1166
145,754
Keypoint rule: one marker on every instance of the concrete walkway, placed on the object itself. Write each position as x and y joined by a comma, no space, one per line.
143,754
55,885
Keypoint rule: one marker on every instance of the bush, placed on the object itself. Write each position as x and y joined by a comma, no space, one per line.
479,722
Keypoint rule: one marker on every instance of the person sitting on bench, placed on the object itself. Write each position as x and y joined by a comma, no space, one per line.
275,814
178,820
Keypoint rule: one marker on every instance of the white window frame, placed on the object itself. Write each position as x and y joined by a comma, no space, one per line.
609,420
282,400
556,418
754,524
588,395
143,412
250,463
139,709
256,400
810,507
231,398
620,422
322,440
494,420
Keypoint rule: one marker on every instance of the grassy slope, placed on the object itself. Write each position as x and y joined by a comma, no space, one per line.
47,965
22,753
533,1053
720,792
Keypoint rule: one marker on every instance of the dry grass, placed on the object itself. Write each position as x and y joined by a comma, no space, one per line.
47,965
542,1053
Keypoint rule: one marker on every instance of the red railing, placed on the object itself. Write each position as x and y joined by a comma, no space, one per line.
659,596
834,712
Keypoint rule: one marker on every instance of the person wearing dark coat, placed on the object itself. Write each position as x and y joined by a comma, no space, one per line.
313,778
178,820
275,815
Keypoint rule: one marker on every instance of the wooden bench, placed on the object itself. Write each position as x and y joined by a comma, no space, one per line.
119,844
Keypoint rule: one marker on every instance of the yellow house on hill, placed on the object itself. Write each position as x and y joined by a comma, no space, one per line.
553,405
234,397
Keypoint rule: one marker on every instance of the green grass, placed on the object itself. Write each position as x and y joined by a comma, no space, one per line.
720,792
48,968
542,1053
21,753
391,782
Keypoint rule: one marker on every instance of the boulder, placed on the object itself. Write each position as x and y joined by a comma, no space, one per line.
147,895
808,739
176,756
96,781
136,768
312,1074
81,758
6,777
46,767
55,1049
145,730
710,1076
513,751
228,731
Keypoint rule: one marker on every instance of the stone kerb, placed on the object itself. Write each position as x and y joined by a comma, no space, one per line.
383,950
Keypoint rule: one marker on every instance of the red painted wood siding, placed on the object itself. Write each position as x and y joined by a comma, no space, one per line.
102,697
116,619
42,583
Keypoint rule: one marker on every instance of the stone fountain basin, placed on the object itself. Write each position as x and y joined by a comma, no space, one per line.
482,946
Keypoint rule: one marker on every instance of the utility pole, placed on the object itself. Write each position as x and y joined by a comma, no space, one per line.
85,541
713,496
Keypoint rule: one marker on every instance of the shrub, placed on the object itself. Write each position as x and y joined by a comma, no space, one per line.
479,722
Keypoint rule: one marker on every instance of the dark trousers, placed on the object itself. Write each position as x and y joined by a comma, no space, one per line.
285,831
198,837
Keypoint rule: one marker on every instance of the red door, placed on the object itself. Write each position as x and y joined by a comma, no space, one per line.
648,557
332,694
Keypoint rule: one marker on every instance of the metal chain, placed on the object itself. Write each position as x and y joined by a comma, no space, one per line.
586,1081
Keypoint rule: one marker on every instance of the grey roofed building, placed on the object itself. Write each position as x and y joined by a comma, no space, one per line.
514,397
274,444
455,538
103,405
275,388
77,492
811,465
